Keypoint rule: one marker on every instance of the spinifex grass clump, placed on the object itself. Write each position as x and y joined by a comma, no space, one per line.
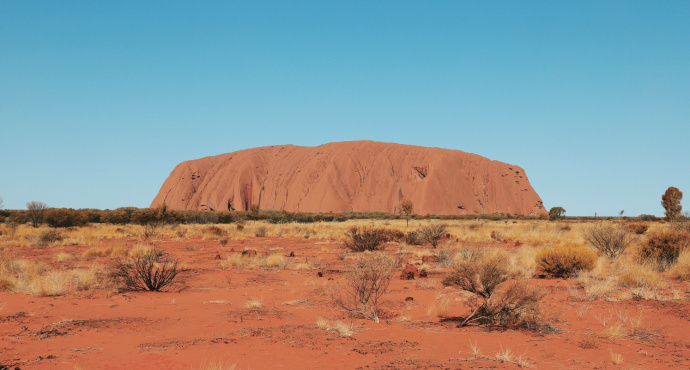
565,260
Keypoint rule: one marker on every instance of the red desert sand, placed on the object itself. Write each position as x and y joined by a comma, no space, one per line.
356,176
217,316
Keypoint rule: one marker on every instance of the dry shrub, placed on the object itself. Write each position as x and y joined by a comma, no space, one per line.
63,257
214,230
261,231
440,307
681,224
45,238
469,254
141,250
635,275
565,260
119,251
609,240
497,235
524,261
360,239
444,256
149,271
97,252
433,233
638,228
181,232
664,247
276,260
47,285
364,286
413,238
254,304
6,284
681,269
85,279
514,303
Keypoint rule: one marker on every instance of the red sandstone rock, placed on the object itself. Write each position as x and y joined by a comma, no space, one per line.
360,176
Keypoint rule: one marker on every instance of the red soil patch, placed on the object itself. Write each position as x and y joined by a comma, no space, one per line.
203,319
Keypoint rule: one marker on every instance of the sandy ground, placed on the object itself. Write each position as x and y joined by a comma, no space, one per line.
202,321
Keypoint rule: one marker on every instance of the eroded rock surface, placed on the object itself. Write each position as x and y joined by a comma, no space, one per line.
360,176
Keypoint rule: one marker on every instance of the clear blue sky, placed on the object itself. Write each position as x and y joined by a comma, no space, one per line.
99,100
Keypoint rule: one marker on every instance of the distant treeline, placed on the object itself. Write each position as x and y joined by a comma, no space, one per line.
68,217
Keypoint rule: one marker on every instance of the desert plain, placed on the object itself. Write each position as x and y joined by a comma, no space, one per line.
60,308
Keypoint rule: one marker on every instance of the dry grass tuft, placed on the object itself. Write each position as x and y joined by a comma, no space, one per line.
681,269
254,304
97,252
566,260
440,307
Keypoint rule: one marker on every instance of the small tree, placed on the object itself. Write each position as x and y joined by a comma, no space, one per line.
556,213
1,203
407,209
37,211
671,202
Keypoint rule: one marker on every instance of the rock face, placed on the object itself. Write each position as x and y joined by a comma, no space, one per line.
359,176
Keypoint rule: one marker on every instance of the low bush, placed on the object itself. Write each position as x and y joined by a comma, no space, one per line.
638,228
261,231
664,247
150,271
97,252
565,260
63,217
433,233
609,240
513,303
214,231
364,286
360,239
45,238
413,238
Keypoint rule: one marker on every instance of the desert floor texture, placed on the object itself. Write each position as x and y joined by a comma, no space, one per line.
274,310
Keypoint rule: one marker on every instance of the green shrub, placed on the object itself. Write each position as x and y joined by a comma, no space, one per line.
565,260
